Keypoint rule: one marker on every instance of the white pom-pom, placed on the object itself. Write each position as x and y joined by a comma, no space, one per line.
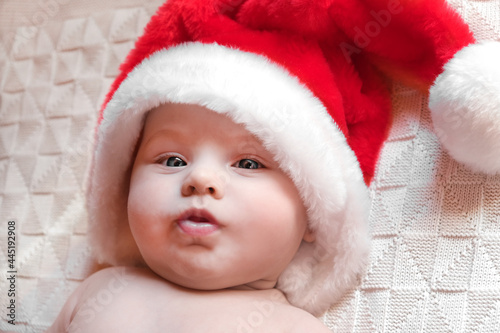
465,107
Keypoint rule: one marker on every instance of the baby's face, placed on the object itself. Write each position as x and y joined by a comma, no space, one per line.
208,206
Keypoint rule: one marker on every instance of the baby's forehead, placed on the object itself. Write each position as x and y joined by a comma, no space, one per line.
190,120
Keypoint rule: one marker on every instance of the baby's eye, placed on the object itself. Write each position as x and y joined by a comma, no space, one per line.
247,163
174,161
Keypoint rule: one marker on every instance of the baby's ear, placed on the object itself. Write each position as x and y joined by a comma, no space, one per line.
309,236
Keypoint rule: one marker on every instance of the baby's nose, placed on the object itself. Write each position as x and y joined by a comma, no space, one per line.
204,181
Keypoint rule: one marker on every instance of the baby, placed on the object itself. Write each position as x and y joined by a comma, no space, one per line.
216,221
222,192
228,184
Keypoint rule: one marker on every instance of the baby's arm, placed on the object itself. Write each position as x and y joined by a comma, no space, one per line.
70,308
63,320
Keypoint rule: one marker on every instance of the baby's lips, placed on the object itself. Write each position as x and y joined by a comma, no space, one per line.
200,219
197,223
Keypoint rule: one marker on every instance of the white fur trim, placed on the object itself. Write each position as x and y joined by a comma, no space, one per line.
465,107
293,125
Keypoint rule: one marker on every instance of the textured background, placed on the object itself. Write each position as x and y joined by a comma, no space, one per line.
435,264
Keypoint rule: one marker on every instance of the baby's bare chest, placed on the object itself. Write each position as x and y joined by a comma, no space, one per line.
149,309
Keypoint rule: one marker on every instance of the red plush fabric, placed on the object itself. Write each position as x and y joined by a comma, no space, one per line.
337,48
410,40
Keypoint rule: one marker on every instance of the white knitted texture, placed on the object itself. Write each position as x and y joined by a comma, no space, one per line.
435,263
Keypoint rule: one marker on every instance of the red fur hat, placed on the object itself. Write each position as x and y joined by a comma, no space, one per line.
308,79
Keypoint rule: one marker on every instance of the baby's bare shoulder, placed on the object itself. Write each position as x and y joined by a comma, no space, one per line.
125,299
297,321
269,311
96,295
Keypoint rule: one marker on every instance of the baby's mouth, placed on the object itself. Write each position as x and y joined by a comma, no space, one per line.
197,223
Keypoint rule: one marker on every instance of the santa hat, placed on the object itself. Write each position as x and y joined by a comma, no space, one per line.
304,77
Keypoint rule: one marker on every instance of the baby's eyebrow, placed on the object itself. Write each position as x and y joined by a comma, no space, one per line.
242,141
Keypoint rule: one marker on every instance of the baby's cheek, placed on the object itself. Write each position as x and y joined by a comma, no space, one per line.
137,205
142,195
